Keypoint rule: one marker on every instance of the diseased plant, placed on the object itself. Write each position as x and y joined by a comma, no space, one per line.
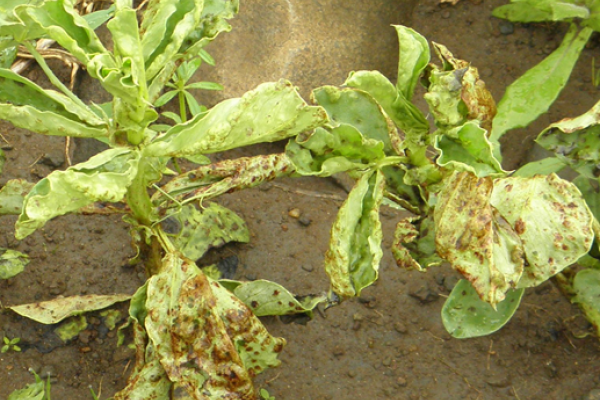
200,336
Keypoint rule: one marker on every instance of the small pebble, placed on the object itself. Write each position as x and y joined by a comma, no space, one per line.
400,327
387,361
308,268
446,14
338,351
506,27
85,349
352,374
295,213
401,381
304,220
284,227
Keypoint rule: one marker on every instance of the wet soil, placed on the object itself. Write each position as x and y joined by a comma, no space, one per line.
387,344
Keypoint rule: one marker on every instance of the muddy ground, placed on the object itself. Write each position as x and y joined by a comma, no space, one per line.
388,344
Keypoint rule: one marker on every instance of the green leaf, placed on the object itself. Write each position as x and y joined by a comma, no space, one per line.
576,142
212,180
196,231
475,239
269,298
352,260
68,330
12,262
404,114
414,57
165,98
166,24
358,109
465,315
271,112
326,152
27,105
521,105
53,311
591,194
545,166
196,325
98,18
586,286
466,148
7,56
212,22
204,86
104,177
33,391
193,105
552,220
63,24
540,10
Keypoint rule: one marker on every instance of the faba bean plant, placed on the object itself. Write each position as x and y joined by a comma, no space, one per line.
198,336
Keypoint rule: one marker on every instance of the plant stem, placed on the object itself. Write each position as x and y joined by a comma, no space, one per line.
182,110
53,79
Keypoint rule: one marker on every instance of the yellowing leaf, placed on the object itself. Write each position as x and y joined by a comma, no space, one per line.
475,239
53,311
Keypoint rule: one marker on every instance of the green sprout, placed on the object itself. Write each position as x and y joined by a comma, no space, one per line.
264,394
11,344
180,86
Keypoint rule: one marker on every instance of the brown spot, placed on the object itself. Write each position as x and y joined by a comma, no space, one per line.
565,247
520,226
254,303
276,293
509,188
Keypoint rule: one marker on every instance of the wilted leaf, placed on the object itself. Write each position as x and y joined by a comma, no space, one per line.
352,260
207,340
475,239
550,217
196,231
104,177
269,298
53,311
271,112
479,103
466,148
465,315
405,233
12,195
209,181
12,262
522,105
576,142
586,286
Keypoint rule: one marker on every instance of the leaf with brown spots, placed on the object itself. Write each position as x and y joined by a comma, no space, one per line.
207,340
352,261
53,311
552,220
475,239
195,231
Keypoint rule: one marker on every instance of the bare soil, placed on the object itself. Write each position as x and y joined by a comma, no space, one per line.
387,344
